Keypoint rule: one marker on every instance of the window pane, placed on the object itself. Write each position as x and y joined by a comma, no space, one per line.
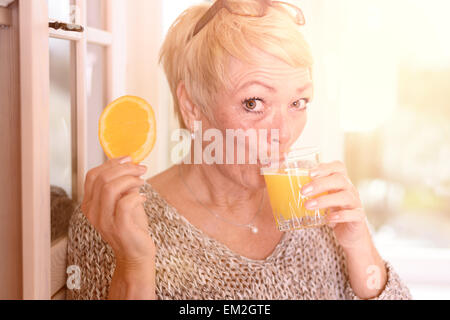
395,101
96,14
62,138
96,99
60,10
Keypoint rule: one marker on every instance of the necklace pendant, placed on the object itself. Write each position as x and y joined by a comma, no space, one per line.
254,229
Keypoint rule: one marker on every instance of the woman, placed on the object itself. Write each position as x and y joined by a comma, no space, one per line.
191,238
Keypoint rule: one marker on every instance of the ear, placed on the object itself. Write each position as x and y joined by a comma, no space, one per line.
188,109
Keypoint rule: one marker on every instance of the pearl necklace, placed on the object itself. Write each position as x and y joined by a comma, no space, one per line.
249,225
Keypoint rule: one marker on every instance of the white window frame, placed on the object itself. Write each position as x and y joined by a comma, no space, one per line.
38,267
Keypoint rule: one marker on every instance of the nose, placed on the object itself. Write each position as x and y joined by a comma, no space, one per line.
282,122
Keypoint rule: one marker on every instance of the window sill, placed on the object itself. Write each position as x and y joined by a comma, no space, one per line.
424,270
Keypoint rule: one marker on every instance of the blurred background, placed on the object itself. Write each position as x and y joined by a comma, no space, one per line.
382,105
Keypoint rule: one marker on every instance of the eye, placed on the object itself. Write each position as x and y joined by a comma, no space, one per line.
253,105
301,104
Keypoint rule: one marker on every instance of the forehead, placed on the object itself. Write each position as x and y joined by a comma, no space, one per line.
265,67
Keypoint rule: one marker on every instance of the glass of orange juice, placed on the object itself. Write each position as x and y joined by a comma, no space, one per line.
284,181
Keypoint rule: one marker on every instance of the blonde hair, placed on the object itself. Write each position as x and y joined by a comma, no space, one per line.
201,61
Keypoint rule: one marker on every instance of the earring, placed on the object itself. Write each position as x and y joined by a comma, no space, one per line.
192,135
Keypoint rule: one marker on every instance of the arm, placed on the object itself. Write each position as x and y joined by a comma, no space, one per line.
133,282
95,260
112,229
368,275
366,270
355,277
394,288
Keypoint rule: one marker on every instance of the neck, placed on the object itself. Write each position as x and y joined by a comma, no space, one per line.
220,194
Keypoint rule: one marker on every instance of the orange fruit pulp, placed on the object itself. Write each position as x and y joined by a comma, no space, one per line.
127,127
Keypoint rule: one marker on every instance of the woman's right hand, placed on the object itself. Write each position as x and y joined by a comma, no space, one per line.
113,205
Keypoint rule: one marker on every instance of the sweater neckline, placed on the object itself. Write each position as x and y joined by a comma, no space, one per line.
284,241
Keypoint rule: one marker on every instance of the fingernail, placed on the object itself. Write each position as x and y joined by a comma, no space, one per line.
311,204
307,190
125,160
142,168
334,218
313,173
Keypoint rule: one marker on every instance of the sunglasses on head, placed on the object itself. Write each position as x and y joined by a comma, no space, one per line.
247,8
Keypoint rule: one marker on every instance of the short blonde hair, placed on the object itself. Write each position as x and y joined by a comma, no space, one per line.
201,62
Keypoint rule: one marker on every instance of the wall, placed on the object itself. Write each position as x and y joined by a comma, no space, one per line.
323,126
10,189
143,75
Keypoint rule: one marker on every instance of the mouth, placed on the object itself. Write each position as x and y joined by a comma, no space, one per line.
270,161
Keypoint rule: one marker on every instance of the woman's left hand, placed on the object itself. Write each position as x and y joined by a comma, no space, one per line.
345,213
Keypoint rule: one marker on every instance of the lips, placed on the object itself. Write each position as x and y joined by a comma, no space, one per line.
271,161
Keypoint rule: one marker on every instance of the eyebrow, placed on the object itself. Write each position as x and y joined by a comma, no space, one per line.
253,82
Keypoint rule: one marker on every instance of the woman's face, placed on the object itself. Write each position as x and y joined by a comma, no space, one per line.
269,95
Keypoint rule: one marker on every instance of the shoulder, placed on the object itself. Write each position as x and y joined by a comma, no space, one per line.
156,207
164,222
320,240
163,192
82,234
319,247
319,252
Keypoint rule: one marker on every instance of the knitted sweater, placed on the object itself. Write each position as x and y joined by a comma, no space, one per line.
306,264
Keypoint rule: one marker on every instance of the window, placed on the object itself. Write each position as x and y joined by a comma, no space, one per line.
66,78
395,111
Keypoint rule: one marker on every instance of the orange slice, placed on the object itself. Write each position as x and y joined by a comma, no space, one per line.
127,127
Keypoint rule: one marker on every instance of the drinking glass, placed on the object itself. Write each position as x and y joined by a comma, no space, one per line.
284,181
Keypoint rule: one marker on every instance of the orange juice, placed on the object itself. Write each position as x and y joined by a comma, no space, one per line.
288,204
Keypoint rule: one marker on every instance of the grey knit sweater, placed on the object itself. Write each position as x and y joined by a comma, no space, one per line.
306,264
